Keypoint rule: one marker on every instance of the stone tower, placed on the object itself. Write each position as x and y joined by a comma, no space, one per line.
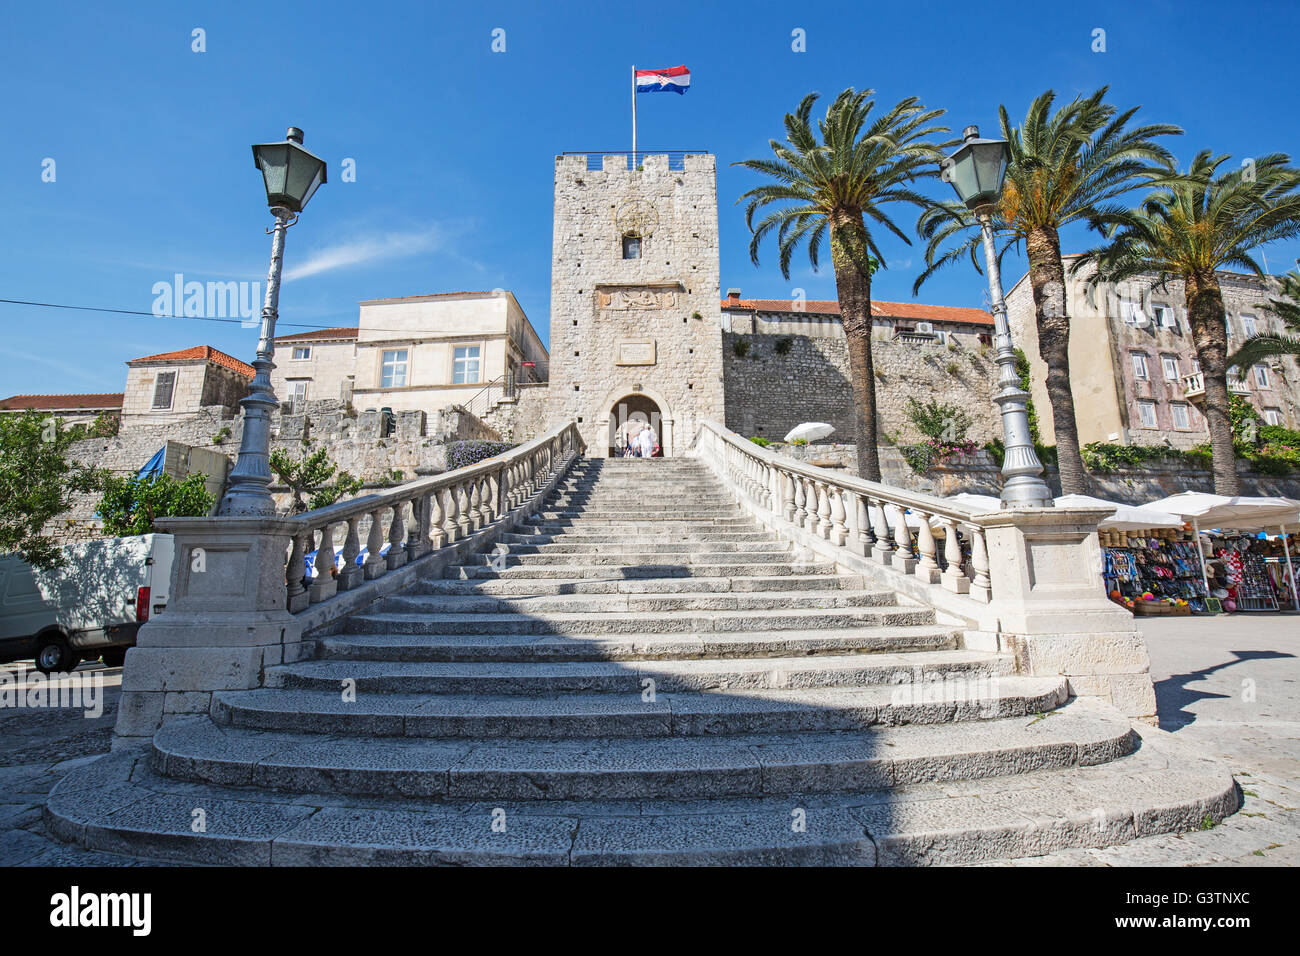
635,316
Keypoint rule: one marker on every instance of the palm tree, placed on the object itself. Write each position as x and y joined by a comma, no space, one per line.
1194,225
1286,307
1066,166
833,182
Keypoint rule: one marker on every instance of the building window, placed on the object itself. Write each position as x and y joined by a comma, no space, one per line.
301,352
1147,410
164,384
394,369
1196,366
465,365
1182,420
986,338
631,247
1140,370
1169,363
1248,326
1164,317
297,394
1261,376
1273,416
1128,311
1227,324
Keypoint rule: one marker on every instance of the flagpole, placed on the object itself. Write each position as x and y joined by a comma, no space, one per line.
634,116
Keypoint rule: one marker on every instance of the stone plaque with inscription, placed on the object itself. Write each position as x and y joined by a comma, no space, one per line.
635,353
637,298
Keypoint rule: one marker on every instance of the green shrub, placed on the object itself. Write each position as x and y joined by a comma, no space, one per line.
740,347
783,345
462,454
760,441
131,504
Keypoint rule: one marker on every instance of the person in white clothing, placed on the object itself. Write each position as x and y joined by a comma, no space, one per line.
646,442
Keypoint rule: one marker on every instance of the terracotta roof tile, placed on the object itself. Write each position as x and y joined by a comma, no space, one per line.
204,352
88,400
318,334
912,311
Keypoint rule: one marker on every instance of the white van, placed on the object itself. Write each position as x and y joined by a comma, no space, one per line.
90,606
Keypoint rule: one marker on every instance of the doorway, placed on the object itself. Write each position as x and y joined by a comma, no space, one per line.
630,411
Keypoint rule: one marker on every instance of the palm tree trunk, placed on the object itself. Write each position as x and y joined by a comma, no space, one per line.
1206,316
852,262
1047,279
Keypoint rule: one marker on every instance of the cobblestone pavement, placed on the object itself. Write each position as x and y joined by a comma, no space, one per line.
1230,685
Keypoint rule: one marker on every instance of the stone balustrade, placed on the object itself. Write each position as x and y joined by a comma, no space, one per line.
1030,586
414,519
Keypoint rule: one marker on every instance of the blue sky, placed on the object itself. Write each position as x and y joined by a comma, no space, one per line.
454,144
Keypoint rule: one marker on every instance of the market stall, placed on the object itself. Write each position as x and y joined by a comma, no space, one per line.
1242,579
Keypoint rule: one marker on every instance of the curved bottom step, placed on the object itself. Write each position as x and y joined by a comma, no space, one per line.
117,804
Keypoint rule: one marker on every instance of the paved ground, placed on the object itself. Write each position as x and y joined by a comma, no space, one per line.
1229,684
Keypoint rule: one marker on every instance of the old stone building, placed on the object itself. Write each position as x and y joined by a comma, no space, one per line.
1133,365
74,409
173,386
421,352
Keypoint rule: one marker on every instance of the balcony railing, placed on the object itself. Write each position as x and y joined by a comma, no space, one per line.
1194,386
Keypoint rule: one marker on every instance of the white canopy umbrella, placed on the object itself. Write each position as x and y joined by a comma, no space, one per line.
1239,513
1124,517
809,431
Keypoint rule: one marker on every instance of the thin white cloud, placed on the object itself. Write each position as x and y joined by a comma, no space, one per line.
367,248
99,378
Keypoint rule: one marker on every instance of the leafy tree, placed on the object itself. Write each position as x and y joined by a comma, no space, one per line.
937,420
36,483
131,504
1065,167
830,183
1196,224
1286,306
314,475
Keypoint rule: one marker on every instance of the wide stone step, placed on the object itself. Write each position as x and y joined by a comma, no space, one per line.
438,604
645,571
527,535
623,768
663,622
623,527
646,545
638,516
539,588
560,677
119,804
625,558
525,648
677,714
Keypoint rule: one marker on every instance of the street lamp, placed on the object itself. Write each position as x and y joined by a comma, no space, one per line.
291,175
976,172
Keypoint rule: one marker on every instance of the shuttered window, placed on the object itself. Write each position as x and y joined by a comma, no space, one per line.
163,387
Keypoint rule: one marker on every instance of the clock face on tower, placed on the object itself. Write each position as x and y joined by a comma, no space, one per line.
636,217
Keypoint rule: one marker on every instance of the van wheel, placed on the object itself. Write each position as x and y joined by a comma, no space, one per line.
53,654
114,656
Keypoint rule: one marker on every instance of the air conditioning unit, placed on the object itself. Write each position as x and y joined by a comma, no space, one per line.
925,328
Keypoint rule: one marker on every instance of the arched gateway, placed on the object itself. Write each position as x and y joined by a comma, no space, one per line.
639,407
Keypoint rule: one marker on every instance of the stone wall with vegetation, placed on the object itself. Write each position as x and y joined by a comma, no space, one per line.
774,382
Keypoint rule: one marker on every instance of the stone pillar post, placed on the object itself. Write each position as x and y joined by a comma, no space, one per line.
225,622
1052,610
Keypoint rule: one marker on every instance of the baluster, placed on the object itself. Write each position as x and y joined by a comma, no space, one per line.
883,548
350,574
865,536
839,530
814,503
928,568
492,501
788,508
475,510
800,501
981,588
323,586
451,523
437,520
397,537
296,570
464,519
375,564
902,542
953,578
823,509
417,535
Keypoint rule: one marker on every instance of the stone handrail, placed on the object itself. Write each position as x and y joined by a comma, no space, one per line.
864,516
424,515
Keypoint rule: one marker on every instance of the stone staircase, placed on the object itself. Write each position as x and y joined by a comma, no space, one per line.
641,675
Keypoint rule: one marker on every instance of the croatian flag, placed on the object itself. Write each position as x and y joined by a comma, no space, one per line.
676,79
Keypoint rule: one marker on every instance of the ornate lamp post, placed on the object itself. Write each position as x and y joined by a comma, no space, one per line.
976,172
291,175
